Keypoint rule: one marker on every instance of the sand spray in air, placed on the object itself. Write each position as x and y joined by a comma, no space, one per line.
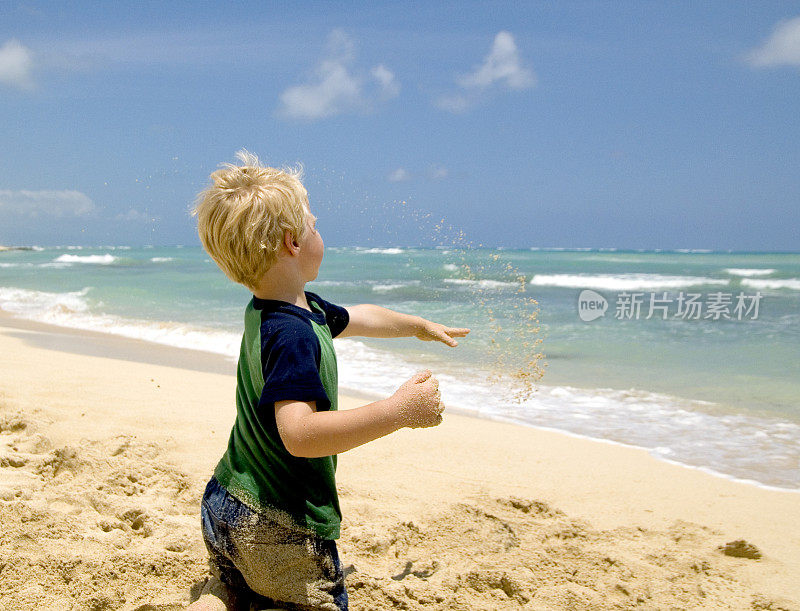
514,357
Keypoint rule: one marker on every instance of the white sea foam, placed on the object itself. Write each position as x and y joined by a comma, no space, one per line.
450,267
786,283
317,283
72,309
161,259
383,288
378,287
740,271
380,251
623,282
36,305
106,259
484,284
691,433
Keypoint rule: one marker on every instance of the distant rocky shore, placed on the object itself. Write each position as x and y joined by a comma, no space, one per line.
2,248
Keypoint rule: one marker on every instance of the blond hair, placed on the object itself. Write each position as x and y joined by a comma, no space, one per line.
242,216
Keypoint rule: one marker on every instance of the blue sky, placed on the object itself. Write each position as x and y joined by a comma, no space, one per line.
580,124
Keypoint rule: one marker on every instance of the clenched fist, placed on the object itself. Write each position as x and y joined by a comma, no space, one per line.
419,402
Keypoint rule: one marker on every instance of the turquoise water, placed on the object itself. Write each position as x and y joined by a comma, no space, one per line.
722,395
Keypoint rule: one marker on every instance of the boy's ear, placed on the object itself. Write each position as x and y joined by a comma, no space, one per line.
289,241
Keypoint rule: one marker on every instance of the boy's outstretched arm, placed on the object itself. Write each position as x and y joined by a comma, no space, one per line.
369,320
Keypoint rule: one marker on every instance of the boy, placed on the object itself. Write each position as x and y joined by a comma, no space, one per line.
270,513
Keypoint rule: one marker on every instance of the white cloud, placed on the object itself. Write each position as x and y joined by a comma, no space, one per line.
335,87
398,175
501,68
56,204
502,65
781,48
390,88
16,63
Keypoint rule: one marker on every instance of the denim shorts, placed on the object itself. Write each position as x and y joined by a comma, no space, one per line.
266,561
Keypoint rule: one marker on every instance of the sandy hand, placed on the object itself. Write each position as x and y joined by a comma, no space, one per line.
419,401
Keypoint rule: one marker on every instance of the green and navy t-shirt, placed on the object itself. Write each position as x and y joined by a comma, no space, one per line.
287,354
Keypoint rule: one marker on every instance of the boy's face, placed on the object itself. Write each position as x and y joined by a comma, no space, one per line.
312,250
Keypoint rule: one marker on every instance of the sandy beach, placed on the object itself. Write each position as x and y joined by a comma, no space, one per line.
106,445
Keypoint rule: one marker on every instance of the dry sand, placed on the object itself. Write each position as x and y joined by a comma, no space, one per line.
106,445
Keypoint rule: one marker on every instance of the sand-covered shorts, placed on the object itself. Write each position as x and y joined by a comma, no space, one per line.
267,561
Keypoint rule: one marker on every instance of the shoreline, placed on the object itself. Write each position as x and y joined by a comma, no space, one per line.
97,343
76,340
705,470
470,505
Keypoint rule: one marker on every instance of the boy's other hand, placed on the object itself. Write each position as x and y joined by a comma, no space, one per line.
419,402
429,331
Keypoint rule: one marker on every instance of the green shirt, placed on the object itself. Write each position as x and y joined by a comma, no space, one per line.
287,354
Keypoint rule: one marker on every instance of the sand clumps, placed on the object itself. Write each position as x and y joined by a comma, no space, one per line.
514,553
97,525
740,549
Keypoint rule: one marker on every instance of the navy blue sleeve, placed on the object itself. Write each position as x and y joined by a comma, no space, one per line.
336,316
290,356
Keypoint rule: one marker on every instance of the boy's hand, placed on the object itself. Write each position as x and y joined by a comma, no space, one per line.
419,402
429,331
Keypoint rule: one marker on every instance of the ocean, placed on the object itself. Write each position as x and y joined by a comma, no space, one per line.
691,355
